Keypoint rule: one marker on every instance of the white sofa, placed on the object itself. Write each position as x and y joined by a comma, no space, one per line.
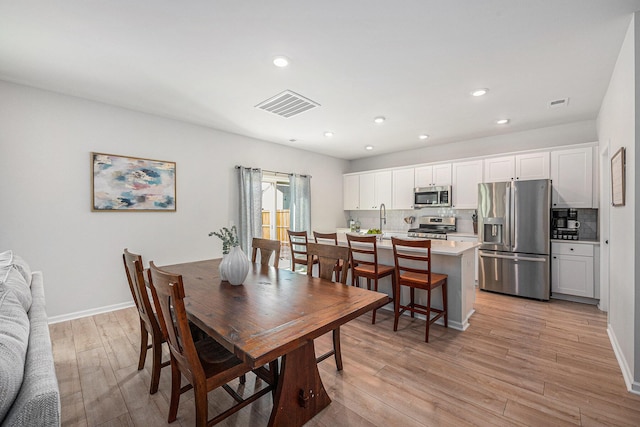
29,393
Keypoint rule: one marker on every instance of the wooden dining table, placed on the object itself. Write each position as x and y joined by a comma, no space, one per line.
274,313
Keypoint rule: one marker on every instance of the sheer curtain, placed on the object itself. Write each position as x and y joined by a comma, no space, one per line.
250,184
300,208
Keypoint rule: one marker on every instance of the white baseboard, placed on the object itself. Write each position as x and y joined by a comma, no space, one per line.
632,386
91,312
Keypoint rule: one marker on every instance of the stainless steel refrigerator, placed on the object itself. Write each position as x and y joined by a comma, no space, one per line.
513,223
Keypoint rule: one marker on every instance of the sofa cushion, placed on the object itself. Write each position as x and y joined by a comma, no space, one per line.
15,281
6,261
14,338
6,258
23,268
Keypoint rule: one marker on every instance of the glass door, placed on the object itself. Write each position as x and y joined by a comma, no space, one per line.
275,211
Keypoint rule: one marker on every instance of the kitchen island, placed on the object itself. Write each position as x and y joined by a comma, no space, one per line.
457,260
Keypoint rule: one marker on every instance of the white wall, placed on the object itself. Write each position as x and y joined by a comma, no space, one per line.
572,133
617,125
45,142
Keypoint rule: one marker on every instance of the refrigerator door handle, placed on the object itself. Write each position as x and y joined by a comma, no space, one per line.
513,216
513,258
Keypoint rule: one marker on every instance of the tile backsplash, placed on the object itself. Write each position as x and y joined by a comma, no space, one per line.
395,218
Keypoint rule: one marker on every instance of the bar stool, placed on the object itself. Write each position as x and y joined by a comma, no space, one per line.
413,269
363,253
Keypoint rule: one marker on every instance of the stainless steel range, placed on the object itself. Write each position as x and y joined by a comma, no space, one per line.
434,227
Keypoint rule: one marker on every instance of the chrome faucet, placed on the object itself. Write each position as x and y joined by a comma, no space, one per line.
383,208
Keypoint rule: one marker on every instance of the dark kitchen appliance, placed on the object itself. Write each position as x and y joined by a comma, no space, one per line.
514,225
431,197
560,224
434,227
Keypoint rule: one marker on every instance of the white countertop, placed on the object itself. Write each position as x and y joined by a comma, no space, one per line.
438,247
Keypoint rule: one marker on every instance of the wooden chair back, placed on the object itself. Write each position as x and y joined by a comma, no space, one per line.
267,247
326,238
135,275
412,256
168,294
298,241
328,256
364,251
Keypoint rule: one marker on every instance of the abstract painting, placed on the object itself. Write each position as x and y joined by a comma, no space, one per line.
132,184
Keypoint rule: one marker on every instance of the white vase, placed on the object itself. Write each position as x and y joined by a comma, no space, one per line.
221,269
235,266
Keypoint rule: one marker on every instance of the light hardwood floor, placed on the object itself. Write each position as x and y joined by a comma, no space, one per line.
521,362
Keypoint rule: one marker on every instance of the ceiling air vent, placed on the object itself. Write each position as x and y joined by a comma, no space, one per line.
287,104
557,103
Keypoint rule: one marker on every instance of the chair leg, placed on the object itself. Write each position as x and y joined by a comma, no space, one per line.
144,342
375,288
275,377
176,378
444,303
336,348
396,304
413,302
200,398
428,314
156,346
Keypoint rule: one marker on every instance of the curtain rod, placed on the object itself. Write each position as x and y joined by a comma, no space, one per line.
273,172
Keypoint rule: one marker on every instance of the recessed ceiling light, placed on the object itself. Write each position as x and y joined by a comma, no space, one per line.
281,61
292,140
480,92
328,134
369,147
423,136
379,119
502,121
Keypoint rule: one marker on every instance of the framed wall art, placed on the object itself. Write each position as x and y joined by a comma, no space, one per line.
617,178
121,183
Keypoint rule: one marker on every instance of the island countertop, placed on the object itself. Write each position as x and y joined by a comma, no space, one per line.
438,247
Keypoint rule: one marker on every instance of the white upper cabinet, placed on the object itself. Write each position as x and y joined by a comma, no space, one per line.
497,169
426,176
466,177
375,189
517,167
572,176
532,166
351,192
403,184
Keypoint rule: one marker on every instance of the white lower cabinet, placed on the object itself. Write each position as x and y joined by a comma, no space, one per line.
572,269
467,239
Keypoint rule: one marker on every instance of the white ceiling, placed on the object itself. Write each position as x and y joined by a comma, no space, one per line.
413,61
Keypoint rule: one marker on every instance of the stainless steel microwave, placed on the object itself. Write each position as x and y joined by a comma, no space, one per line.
431,197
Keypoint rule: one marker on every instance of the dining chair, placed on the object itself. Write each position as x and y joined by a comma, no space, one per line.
331,239
206,364
363,253
298,242
266,247
329,256
413,269
148,321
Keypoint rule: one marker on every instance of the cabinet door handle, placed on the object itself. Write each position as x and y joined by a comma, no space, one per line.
555,257
570,249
